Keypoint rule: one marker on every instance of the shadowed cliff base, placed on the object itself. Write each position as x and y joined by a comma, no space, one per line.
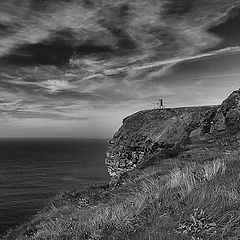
175,175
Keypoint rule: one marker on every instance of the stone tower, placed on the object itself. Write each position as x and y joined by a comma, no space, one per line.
159,103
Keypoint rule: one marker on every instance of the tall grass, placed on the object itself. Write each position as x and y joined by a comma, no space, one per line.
193,174
198,201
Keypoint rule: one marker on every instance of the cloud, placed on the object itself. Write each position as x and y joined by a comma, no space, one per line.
222,76
56,85
172,62
70,60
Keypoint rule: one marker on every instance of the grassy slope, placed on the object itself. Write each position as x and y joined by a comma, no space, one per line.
197,198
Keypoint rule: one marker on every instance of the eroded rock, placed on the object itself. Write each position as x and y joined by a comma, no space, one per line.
218,123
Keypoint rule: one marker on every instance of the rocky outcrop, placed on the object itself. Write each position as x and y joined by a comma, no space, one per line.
225,116
158,131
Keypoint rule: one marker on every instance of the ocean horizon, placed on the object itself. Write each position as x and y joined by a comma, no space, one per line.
33,170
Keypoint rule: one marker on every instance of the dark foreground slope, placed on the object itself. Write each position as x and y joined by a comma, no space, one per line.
178,177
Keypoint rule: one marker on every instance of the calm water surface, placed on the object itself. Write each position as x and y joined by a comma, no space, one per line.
34,170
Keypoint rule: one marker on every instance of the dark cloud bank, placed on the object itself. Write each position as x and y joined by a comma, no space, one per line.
67,58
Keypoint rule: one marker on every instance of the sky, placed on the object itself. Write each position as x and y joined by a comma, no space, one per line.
76,68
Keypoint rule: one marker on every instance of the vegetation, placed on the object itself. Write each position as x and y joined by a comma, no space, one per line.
196,201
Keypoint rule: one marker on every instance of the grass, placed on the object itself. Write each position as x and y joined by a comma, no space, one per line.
197,201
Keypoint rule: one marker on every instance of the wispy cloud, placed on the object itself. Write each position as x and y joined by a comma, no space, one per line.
221,76
225,51
72,60
56,85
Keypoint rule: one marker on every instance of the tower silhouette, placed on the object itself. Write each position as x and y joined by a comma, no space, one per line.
158,104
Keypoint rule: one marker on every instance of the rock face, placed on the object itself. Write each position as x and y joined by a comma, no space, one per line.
226,116
148,132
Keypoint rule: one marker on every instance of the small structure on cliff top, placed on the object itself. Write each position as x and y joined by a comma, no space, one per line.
159,104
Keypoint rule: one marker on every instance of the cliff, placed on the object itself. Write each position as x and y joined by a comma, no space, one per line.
150,136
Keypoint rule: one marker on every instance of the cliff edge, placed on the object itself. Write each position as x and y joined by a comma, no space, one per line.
150,136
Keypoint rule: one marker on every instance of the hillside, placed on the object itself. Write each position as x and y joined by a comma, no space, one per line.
174,175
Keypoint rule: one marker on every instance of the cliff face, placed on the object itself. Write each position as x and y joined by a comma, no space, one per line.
167,133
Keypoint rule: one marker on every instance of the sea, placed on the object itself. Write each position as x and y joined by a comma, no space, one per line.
32,171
